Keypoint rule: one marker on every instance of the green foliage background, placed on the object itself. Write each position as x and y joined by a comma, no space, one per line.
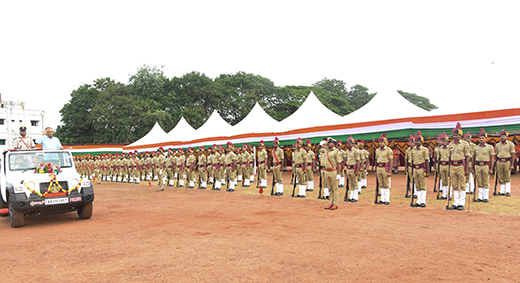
107,112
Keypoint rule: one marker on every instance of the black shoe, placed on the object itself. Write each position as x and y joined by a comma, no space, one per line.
354,200
470,193
501,194
423,205
450,198
415,205
231,190
460,207
442,197
380,202
202,188
360,193
478,200
327,197
302,196
414,196
297,196
363,187
347,200
387,203
340,186
453,207
508,194
486,200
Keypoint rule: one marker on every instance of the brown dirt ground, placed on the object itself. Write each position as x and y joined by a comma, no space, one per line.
188,235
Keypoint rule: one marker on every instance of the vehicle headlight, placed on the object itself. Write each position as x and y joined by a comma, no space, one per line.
74,182
85,183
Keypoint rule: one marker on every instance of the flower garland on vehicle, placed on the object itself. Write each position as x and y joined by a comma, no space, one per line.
53,170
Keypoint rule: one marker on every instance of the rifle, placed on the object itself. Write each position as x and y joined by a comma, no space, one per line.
214,179
258,178
319,170
200,180
436,175
439,190
413,183
347,188
407,183
227,180
294,186
377,189
496,179
449,193
272,188
292,177
475,187
178,177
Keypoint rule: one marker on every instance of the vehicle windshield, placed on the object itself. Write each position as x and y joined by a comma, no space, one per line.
30,160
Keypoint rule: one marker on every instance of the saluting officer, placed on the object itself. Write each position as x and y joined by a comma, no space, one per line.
484,156
505,157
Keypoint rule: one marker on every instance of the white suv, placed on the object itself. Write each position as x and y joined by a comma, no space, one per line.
26,192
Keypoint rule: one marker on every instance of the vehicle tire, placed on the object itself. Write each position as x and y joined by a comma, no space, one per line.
85,212
16,217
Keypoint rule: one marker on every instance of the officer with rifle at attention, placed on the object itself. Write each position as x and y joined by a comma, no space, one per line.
442,155
505,158
421,165
459,159
310,164
384,156
484,157
278,158
353,164
262,167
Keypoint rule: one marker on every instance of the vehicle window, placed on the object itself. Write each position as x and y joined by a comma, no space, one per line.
31,160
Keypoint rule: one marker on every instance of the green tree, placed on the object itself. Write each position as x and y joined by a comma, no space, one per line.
284,101
333,93
358,96
239,93
420,101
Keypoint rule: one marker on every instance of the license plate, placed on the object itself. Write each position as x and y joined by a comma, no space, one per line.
56,201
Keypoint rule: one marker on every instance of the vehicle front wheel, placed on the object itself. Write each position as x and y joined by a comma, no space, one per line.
85,212
16,217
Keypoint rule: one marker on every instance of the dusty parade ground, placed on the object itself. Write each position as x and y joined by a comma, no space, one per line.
191,235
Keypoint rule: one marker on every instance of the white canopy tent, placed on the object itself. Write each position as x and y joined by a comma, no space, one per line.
155,135
257,121
312,113
215,126
183,131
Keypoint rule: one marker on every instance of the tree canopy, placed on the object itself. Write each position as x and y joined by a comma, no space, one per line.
112,112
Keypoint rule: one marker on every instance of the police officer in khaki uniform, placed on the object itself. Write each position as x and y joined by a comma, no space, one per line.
442,156
230,163
459,159
505,157
23,141
343,154
484,157
362,164
310,164
190,168
160,166
181,162
298,160
278,157
331,166
322,158
201,162
408,164
262,169
363,172
470,181
384,156
421,165
353,165
216,168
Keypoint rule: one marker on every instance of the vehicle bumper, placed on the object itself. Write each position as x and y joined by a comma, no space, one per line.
39,204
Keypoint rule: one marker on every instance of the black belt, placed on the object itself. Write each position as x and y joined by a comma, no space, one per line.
481,163
382,164
275,164
419,166
309,164
299,165
350,166
457,162
445,163
504,159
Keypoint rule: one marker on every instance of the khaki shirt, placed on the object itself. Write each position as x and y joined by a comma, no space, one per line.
353,156
262,155
190,162
408,155
228,158
160,161
505,150
23,143
278,155
483,153
459,151
309,156
202,159
420,155
299,156
331,159
442,153
384,155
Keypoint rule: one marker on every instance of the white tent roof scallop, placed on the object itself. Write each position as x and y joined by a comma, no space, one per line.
155,135
215,126
312,113
183,131
257,121
385,105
